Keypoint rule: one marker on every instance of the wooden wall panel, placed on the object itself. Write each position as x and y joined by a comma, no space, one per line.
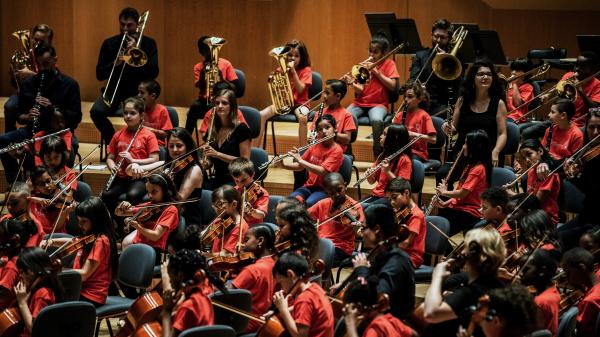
334,31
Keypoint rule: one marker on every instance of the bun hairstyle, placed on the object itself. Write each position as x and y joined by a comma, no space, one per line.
166,185
193,267
14,234
363,292
266,232
489,250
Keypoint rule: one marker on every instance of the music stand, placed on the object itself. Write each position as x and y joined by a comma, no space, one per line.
488,45
589,43
397,30
467,51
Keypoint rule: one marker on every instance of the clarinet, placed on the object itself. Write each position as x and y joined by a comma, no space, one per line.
36,105
313,133
120,162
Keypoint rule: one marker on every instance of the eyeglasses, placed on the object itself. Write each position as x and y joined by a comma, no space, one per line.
482,74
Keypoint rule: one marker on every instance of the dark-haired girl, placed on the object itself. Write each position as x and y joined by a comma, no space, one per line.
520,90
164,219
258,277
298,228
372,98
462,209
39,287
228,201
54,155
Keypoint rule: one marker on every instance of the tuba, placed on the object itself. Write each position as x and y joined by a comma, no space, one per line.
211,69
22,58
279,84
447,66
133,57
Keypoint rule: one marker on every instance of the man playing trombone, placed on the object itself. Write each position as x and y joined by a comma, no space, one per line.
123,82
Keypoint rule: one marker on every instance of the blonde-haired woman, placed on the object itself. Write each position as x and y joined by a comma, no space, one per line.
483,253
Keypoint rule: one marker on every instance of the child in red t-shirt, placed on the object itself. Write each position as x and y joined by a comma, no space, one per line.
462,209
417,121
185,304
52,217
398,192
156,115
144,150
362,299
334,92
54,155
563,138
14,235
318,160
39,287
300,76
57,123
312,314
19,207
155,230
372,98
227,76
257,197
519,91
227,201
588,94
258,277
493,208
341,230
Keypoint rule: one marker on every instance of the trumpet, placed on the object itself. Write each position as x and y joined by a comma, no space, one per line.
447,66
133,57
211,70
362,73
279,84
533,73
281,157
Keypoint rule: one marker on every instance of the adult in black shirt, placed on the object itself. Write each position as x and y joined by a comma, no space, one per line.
57,91
483,253
441,92
132,76
390,264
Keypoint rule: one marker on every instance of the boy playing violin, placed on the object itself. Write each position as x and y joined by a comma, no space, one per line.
340,230
257,198
19,208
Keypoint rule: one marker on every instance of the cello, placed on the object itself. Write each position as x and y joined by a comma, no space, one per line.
145,309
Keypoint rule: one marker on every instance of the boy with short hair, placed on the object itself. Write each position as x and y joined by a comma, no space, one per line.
242,172
493,208
156,115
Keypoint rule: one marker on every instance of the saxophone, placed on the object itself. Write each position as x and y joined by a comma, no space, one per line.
279,84
211,69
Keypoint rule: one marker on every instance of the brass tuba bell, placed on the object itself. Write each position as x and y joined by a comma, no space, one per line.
447,66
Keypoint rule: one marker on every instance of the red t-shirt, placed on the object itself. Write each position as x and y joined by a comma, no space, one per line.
35,239
343,118
169,218
305,76
589,307
158,119
196,310
548,302
40,299
475,182
387,325
592,90
225,67
313,309
261,203
551,184
37,146
403,170
374,92
258,279
526,94
9,276
96,286
330,158
504,228
145,144
564,142
416,225
47,217
340,234
418,121
206,120
231,240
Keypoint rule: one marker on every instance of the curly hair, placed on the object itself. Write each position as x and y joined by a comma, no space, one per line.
515,306
188,262
492,250
304,233
467,89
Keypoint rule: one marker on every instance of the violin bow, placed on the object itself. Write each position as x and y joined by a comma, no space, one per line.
167,203
62,208
79,163
12,185
239,245
68,185
341,212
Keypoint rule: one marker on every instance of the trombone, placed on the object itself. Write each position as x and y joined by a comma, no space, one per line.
533,73
446,65
133,57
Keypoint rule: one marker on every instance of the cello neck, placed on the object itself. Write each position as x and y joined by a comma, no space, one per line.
238,311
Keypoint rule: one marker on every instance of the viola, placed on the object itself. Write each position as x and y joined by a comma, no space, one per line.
143,215
253,193
227,263
11,324
145,309
73,246
216,229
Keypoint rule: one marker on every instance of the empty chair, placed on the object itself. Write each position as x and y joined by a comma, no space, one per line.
435,246
273,201
346,169
327,254
567,323
238,298
69,319
209,331
173,116
71,282
417,179
208,213
502,176
252,117
240,88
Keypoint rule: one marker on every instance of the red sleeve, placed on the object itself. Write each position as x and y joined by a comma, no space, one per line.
333,162
588,313
473,178
151,143
545,138
262,203
245,280
100,251
429,128
305,76
526,92
112,146
197,70
404,167
232,239
166,124
594,94
550,184
71,177
416,224
576,141
348,123
169,218
316,210
388,68
397,118
185,318
8,277
41,299
303,312
228,71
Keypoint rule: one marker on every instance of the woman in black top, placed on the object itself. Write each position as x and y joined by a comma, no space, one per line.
230,139
480,106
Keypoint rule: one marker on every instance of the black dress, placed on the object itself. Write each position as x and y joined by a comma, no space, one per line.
231,146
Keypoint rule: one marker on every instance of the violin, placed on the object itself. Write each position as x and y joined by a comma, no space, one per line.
283,247
573,170
253,193
180,165
226,263
216,228
73,246
143,215
145,309
569,300
403,214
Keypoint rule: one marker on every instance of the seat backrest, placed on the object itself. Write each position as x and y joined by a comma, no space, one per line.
567,323
273,201
207,212
316,86
354,134
71,282
238,298
570,198
501,176
417,177
326,253
252,117
536,91
136,265
240,88
440,135
435,242
513,136
84,191
209,331
541,333
69,319
258,156
173,116
346,169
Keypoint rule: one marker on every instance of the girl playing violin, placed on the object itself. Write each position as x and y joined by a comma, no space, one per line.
341,230
54,155
257,197
394,138
185,304
365,311
297,228
152,225
185,172
19,207
258,277
14,235
312,314
228,201
39,287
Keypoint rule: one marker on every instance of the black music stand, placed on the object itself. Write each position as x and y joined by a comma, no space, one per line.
589,43
468,50
488,45
397,30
